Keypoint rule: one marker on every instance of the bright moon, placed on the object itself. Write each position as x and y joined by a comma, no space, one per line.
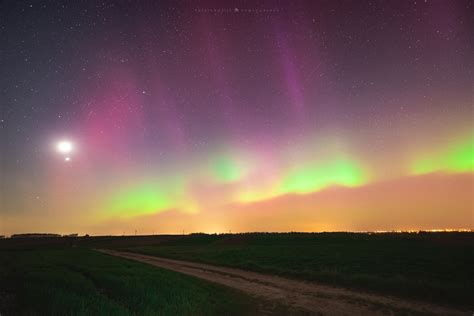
64,147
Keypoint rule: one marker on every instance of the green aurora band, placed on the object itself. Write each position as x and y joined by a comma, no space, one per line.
316,177
154,196
455,158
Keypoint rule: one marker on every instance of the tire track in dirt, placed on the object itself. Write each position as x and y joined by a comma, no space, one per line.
298,295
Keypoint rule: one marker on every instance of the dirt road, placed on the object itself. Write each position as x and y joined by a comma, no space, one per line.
299,296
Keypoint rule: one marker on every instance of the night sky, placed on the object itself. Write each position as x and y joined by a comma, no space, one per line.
214,116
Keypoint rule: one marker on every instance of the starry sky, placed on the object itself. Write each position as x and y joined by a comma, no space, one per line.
202,116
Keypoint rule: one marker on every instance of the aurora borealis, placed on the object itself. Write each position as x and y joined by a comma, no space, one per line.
217,116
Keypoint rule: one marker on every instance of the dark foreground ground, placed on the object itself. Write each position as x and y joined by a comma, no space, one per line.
84,282
311,298
62,276
435,267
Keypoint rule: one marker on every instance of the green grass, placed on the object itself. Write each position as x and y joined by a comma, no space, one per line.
432,267
83,282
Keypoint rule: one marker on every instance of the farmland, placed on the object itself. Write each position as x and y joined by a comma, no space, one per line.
58,276
84,282
433,267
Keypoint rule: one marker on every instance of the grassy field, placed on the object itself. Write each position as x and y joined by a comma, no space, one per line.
83,282
62,276
428,266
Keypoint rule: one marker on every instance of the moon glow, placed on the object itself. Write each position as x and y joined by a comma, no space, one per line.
64,147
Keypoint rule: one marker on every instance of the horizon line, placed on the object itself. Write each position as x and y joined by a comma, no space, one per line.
409,231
